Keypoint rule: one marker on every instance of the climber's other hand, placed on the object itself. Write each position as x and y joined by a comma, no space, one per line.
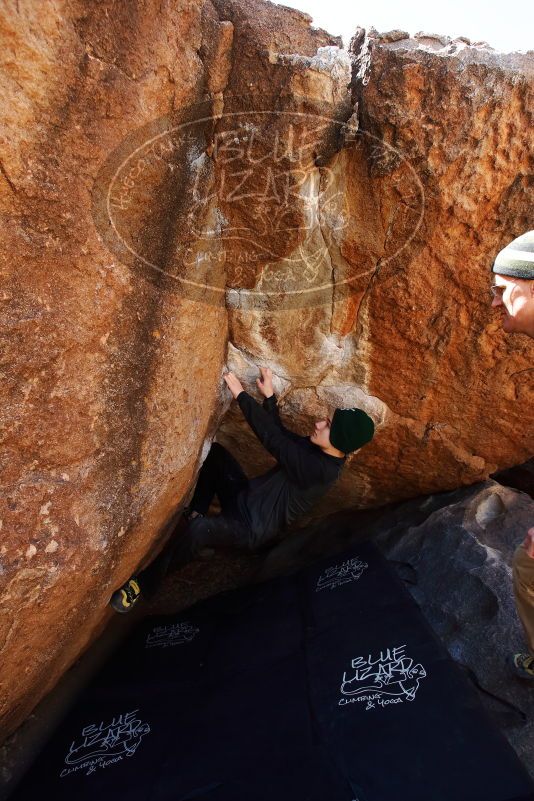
233,382
265,383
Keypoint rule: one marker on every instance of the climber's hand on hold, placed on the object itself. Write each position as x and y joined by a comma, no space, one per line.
529,542
234,384
265,383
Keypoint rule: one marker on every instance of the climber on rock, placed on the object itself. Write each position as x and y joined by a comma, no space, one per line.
255,511
513,296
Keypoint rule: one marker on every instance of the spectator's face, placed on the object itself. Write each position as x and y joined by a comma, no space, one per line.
514,299
321,432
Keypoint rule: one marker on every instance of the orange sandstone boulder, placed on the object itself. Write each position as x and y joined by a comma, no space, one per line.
429,180
110,376
189,185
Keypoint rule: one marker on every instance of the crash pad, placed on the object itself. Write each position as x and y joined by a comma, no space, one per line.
324,685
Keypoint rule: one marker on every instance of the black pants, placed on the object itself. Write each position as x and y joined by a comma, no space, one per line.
220,475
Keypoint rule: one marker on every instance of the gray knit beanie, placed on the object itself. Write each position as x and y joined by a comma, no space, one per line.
517,258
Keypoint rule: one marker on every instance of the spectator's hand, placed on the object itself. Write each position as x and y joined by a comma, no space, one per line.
529,542
234,384
265,383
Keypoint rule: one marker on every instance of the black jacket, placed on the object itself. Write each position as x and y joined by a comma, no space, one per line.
304,472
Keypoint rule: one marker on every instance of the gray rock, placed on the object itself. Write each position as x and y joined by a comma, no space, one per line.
463,556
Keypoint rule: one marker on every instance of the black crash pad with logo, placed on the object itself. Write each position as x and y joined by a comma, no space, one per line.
327,685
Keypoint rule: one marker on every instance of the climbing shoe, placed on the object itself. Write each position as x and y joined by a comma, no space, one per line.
125,598
522,665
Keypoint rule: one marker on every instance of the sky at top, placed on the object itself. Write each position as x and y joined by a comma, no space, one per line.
506,26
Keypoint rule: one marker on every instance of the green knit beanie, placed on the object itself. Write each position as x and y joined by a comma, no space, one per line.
517,258
350,429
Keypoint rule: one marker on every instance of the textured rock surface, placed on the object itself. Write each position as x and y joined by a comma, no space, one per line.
434,183
463,556
461,545
86,407
120,293
460,115
111,376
